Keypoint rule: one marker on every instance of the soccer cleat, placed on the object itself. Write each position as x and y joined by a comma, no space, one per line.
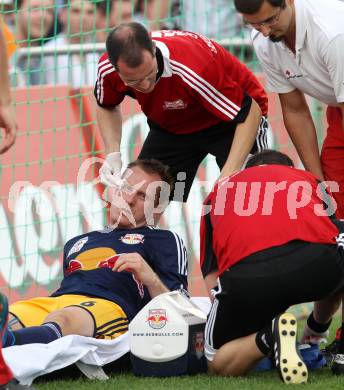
330,351
338,364
291,367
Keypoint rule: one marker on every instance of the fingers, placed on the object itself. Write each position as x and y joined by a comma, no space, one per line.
110,171
131,262
109,179
135,263
8,123
109,175
123,267
9,139
127,262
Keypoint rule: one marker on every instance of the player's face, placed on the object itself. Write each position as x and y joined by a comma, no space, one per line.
141,78
129,207
273,22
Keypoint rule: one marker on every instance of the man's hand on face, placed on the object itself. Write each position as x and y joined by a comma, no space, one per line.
110,171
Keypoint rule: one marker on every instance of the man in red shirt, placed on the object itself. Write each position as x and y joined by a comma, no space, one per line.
269,240
197,97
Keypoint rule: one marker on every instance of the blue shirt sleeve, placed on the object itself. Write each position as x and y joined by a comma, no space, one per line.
170,260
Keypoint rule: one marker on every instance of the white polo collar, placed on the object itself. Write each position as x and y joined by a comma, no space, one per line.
301,25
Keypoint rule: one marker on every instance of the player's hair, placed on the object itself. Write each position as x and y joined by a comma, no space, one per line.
153,166
128,42
102,5
20,3
269,157
253,6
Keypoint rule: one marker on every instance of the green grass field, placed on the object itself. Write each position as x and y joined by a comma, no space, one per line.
321,379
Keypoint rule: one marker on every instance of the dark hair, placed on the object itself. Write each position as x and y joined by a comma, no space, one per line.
153,166
19,4
269,157
104,6
253,6
128,42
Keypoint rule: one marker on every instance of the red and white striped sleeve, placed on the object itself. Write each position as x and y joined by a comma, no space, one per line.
221,82
215,93
107,90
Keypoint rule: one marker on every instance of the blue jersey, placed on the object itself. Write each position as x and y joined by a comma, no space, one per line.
88,261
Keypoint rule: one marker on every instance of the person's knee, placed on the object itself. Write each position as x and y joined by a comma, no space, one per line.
77,322
219,366
62,319
215,368
236,357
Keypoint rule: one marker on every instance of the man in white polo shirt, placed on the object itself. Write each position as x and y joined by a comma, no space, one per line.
300,45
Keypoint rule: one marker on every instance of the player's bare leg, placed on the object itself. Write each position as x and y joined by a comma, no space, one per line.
236,357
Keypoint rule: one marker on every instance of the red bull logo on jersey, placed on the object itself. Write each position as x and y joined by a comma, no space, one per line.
108,263
74,265
157,318
91,259
132,239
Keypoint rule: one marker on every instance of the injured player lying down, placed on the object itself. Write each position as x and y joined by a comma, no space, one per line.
109,275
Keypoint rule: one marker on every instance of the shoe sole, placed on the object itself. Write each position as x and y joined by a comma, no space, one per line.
288,361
